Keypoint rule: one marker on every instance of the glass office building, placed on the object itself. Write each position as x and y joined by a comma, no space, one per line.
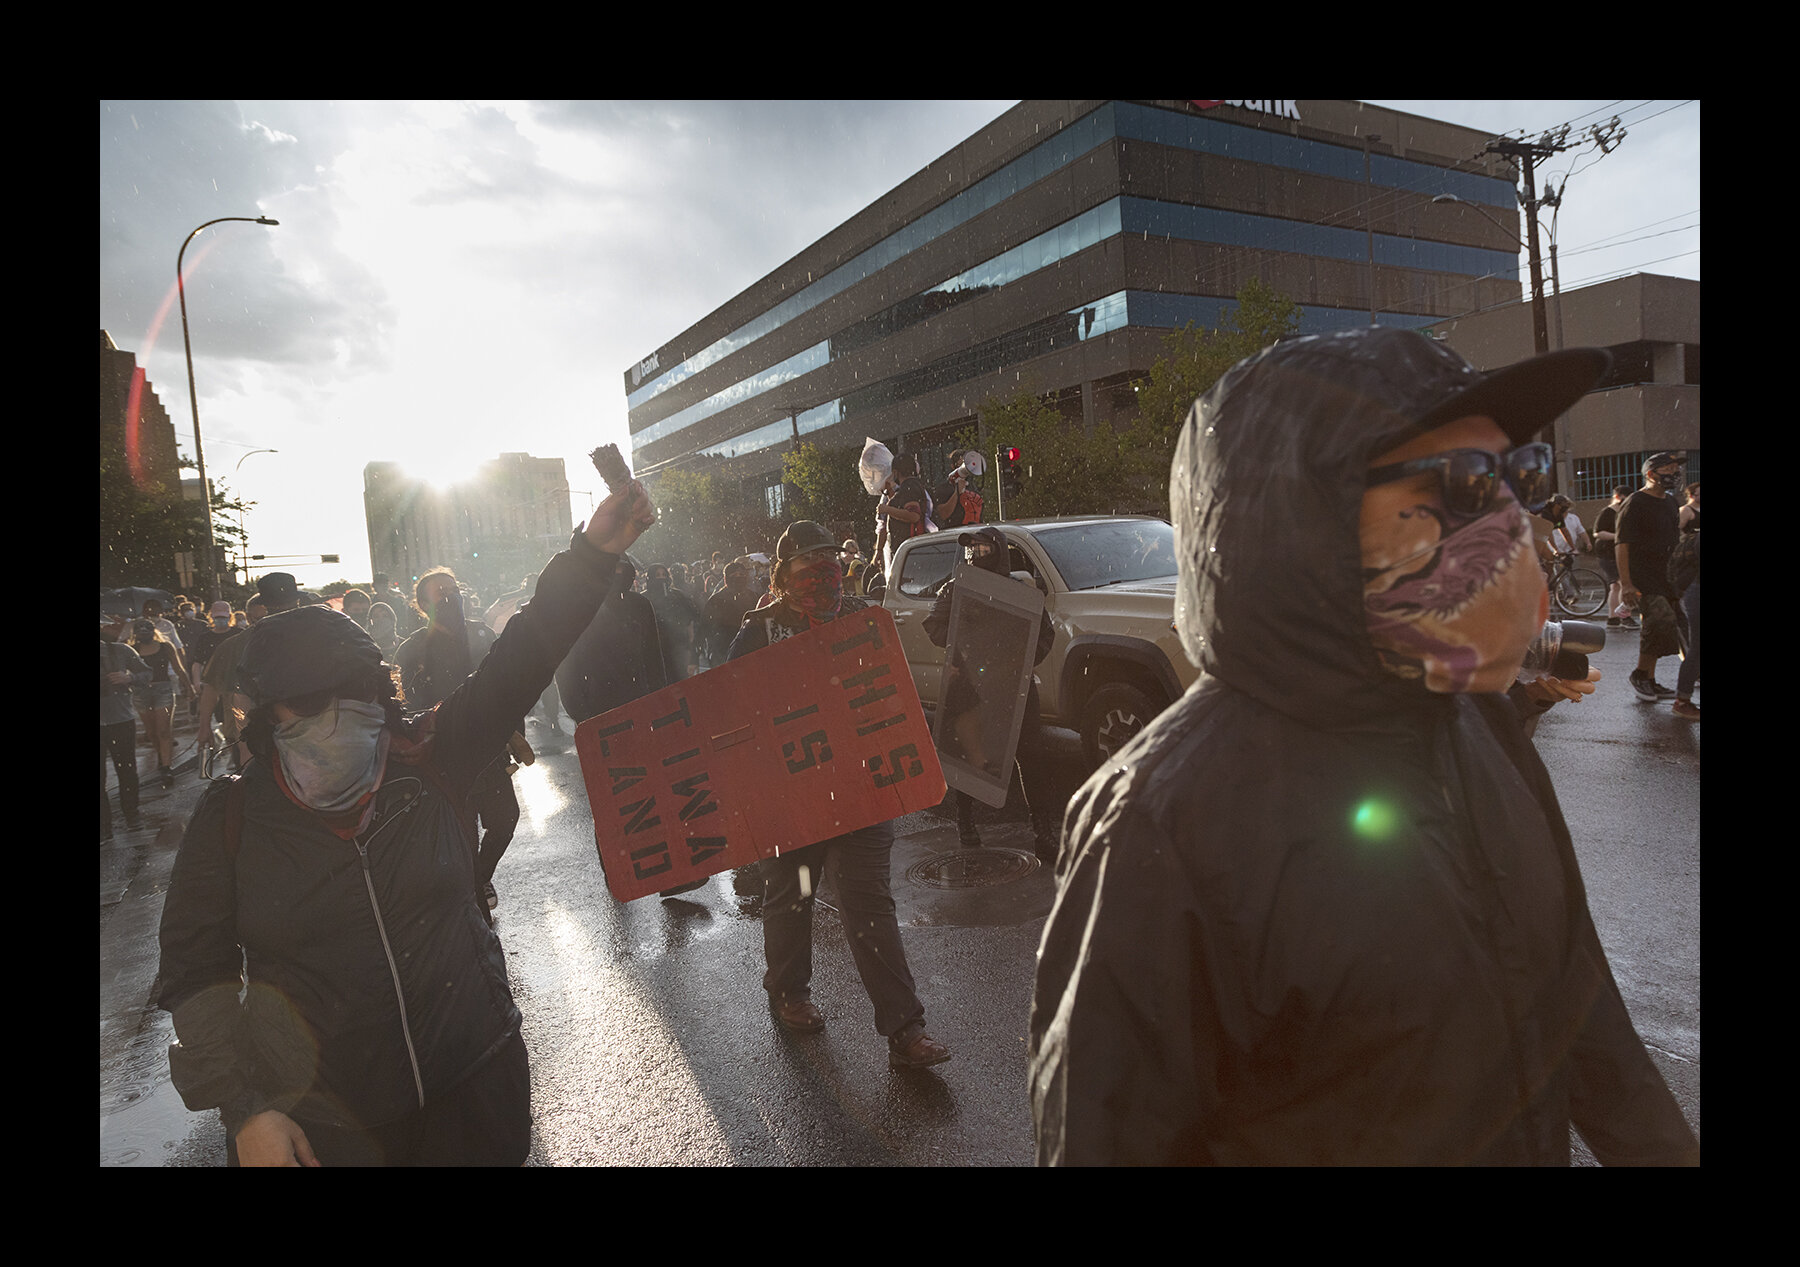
1054,249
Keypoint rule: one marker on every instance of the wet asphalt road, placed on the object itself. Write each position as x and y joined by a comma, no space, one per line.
651,1045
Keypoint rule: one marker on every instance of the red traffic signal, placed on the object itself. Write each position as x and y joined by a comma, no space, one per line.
1012,455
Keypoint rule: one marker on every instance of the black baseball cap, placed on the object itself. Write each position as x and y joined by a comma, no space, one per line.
277,587
1523,398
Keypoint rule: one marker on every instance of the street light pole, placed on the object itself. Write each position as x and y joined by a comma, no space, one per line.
1565,470
243,533
212,562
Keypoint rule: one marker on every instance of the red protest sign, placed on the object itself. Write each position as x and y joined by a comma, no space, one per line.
815,736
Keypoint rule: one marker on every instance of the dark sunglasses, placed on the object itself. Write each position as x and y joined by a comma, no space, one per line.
1471,478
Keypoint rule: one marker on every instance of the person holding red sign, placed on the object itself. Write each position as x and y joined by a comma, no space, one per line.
808,587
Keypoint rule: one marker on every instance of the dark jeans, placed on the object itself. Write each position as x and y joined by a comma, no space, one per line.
119,741
485,1120
857,864
1690,664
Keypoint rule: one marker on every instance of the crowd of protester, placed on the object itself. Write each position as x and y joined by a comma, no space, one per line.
1232,973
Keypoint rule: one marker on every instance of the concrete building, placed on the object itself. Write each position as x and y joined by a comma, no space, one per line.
491,530
1054,249
134,426
1649,403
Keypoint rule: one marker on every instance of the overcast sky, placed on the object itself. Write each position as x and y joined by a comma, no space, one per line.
454,280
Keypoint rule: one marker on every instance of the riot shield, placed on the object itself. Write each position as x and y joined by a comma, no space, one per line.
987,672
807,739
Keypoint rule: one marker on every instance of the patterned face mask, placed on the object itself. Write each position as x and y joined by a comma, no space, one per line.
1455,607
818,591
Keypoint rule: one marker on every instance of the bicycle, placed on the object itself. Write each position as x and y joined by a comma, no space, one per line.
1576,591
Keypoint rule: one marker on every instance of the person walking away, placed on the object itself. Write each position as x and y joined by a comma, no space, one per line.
336,994
1684,578
1324,909
155,700
809,587
618,657
986,549
1606,536
120,671
433,662
1649,527
153,612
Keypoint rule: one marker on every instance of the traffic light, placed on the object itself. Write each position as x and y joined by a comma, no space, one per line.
1012,471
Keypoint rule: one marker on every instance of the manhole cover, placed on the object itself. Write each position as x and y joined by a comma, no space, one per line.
972,868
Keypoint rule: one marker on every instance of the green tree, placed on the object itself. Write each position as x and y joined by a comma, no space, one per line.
1067,471
143,527
700,512
826,488
1196,359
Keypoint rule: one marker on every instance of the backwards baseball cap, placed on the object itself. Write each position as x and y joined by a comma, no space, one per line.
804,537
276,588
303,651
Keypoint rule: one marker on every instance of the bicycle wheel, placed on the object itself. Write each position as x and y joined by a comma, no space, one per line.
1580,592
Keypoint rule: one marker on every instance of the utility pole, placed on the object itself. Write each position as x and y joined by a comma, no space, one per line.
1527,154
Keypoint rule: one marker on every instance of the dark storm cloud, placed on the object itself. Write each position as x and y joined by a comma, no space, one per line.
168,166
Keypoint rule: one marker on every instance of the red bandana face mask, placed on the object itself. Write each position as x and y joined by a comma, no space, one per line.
819,591
1453,604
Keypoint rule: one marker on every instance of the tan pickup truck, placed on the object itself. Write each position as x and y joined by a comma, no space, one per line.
1109,585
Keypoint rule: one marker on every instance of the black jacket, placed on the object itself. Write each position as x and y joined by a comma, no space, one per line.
1314,913
616,659
374,982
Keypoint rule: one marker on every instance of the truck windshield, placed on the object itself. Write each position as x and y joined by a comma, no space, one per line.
1096,554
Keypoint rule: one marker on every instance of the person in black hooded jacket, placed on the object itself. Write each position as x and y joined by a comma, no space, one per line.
332,885
1324,909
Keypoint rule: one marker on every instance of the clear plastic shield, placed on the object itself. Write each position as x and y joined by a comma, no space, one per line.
987,673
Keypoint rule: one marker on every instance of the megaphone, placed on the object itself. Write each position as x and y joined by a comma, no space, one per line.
972,463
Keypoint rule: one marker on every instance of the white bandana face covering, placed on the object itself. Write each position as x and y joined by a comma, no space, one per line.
334,758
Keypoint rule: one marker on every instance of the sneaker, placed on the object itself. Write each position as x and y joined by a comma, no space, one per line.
487,892
1649,688
1687,709
1630,622
1612,622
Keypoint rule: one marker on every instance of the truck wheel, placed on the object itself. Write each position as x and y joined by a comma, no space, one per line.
1114,714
